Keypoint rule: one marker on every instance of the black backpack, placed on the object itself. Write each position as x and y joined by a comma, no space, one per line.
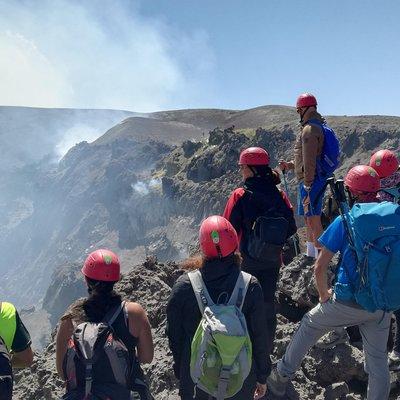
268,231
97,364
6,377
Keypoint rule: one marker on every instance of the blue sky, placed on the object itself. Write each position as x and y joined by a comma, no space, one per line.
163,54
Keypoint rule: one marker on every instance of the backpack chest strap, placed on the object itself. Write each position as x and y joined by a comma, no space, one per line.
223,382
88,379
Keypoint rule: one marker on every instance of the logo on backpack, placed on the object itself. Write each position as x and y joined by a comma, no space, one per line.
221,351
375,230
329,160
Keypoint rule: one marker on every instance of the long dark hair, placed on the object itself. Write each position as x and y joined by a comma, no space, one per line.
266,172
101,299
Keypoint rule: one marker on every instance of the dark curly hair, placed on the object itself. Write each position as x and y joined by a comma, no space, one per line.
102,298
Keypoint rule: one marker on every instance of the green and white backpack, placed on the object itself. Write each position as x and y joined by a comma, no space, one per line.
221,351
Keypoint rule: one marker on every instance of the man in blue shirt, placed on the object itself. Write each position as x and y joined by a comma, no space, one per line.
337,307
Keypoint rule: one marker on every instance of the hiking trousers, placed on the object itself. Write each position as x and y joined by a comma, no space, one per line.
323,318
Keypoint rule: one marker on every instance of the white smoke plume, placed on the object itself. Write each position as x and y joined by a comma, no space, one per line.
97,54
144,188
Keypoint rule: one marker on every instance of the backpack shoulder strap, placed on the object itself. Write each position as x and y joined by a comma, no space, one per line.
240,290
113,314
200,290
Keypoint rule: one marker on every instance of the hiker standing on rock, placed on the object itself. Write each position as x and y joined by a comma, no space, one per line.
386,164
101,337
263,217
15,347
316,156
368,239
215,298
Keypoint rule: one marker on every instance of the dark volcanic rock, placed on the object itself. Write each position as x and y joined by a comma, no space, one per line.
150,284
67,285
297,281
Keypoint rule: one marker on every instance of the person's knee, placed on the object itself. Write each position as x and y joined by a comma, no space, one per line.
377,367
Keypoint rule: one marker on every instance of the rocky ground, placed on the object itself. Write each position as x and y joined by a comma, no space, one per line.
325,374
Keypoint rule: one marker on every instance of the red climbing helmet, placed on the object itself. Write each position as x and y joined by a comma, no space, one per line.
306,100
102,265
218,237
363,179
254,156
384,162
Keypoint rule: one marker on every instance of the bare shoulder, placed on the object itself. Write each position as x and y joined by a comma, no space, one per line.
135,309
65,328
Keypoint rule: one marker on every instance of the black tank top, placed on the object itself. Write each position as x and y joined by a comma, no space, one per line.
121,330
120,326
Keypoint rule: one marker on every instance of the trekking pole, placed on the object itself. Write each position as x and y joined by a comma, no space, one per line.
339,194
285,182
295,237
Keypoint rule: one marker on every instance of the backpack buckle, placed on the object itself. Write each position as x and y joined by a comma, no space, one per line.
88,379
225,373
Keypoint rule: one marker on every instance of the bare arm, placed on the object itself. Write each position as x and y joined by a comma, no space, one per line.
286,165
22,359
139,326
321,274
65,331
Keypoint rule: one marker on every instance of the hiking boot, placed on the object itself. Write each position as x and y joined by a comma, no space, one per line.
305,261
276,383
332,339
394,361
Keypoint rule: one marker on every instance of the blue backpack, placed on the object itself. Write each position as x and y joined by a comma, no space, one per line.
375,230
330,155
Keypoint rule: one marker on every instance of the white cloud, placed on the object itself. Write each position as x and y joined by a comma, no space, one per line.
27,76
97,54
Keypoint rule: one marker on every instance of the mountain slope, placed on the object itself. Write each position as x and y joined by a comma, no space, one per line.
143,187
29,134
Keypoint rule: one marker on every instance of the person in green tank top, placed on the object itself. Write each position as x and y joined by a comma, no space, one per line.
15,336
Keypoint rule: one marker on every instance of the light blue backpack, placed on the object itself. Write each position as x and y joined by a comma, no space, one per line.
375,229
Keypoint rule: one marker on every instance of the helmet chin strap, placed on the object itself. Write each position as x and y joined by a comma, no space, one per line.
302,114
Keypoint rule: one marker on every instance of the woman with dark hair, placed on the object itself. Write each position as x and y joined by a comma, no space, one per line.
259,197
127,330
219,269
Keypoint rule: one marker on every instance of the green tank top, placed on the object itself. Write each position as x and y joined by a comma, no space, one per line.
8,323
